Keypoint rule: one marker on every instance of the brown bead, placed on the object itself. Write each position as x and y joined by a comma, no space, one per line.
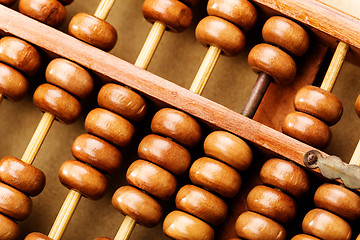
172,13
182,226
14,203
216,176
82,26
272,61
308,129
8,3
338,200
139,206
325,225
97,152
12,83
37,236
229,149
357,105
202,204
69,76
286,34
271,203
177,125
152,179
22,176
58,102
319,103
83,178
109,126
50,12
122,101
20,55
250,225
9,230
165,153
304,237
240,12
286,176
217,32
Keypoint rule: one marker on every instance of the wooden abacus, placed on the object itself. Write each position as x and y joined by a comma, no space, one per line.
342,28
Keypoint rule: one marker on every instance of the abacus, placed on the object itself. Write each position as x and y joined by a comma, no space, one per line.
177,59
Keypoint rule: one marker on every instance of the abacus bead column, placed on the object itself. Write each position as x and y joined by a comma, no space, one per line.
286,34
137,205
319,103
217,32
37,236
304,237
250,225
338,200
50,12
20,54
165,153
271,203
70,77
357,105
122,101
286,176
109,126
22,176
240,12
272,61
12,83
325,225
14,203
83,178
229,149
190,199
307,129
57,102
181,226
176,125
152,179
82,26
172,13
216,176
9,230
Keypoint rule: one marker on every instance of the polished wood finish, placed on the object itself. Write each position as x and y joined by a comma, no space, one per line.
357,105
12,83
37,236
9,230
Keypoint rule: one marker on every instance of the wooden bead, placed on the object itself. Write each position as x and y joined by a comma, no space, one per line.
20,55
165,153
217,32
202,204
69,76
37,236
286,176
14,203
9,230
271,203
82,26
83,178
319,103
58,102
229,149
50,12
22,176
216,176
308,129
174,14
12,83
122,101
152,179
240,12
177,125
109,126
357,105
272,61
7,3
137,205
325,225
97,152
338,200
304,237
181,226
286,34
250,225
